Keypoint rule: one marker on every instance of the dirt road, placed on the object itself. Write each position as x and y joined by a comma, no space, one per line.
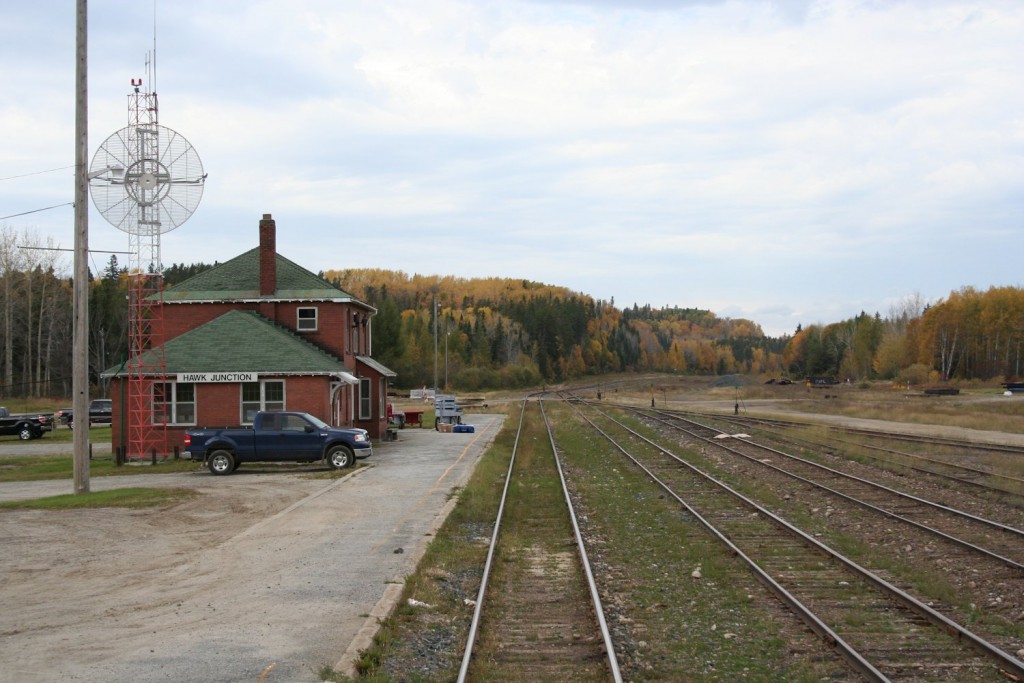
262,572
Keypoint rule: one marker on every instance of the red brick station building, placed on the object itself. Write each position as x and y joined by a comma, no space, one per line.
255,333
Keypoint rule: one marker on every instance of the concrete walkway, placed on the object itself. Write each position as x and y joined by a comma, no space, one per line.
297,590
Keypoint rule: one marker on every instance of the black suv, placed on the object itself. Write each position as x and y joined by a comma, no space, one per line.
101,412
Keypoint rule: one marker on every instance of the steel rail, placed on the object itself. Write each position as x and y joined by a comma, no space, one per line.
1011,663
943,441
819,627
757,422
489,562
942,463
923,501
474,624
609,646
869,506
895,436
891,451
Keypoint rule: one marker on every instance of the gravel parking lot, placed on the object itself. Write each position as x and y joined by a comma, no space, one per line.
262,573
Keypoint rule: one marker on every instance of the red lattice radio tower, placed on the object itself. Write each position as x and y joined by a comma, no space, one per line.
146,180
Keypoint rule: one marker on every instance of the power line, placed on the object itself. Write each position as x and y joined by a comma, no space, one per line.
45,208
91,251
26,175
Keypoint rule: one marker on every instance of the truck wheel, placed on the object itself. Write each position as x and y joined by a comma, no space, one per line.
221,462
340,457
25,433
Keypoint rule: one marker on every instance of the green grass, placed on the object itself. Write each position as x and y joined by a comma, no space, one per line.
37,468
122,498
65,435
62,434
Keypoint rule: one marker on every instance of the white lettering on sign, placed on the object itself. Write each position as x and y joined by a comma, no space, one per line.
208,377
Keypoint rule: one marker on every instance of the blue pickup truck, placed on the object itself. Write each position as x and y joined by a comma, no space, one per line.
277,437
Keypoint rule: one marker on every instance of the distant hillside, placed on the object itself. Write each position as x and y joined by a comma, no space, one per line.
551,333
505,332
416,291
538,332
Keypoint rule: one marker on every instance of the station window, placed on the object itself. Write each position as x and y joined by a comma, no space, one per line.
365,405
174,403
307,319
266,394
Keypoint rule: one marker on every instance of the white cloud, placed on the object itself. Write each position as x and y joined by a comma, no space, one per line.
798,160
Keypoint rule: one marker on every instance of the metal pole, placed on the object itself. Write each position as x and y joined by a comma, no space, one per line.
80,294
435,349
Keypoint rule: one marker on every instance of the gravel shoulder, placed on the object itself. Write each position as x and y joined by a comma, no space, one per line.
262,573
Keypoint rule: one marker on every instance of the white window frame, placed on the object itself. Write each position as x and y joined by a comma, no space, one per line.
301,321
263,403
173,408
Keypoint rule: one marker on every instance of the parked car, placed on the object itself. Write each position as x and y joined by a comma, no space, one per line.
101,411
277,437
26,426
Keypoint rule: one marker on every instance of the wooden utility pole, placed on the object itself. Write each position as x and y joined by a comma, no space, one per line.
80,295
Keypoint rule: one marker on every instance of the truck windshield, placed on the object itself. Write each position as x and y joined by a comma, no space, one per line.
320,424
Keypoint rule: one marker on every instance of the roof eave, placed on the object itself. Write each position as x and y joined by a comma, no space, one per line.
261,373
264,300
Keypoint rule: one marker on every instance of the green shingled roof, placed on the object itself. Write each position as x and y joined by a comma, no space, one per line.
243,341
239,279
382,369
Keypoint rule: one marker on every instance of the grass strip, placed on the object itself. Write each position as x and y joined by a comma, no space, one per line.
38,468
121,498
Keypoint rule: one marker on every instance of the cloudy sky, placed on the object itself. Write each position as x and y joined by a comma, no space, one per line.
787,161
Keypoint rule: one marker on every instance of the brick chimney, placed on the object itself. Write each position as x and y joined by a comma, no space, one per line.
268,256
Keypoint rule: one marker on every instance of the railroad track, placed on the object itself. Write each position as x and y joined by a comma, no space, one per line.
981,477
937,538
951,467
889,435
880,630
994,540
538,615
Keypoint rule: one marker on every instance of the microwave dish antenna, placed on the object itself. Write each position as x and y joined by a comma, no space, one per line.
146,179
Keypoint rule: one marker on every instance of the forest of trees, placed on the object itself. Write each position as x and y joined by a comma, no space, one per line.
495,332
502,333
968,335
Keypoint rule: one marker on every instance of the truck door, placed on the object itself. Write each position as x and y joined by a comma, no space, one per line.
293,437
